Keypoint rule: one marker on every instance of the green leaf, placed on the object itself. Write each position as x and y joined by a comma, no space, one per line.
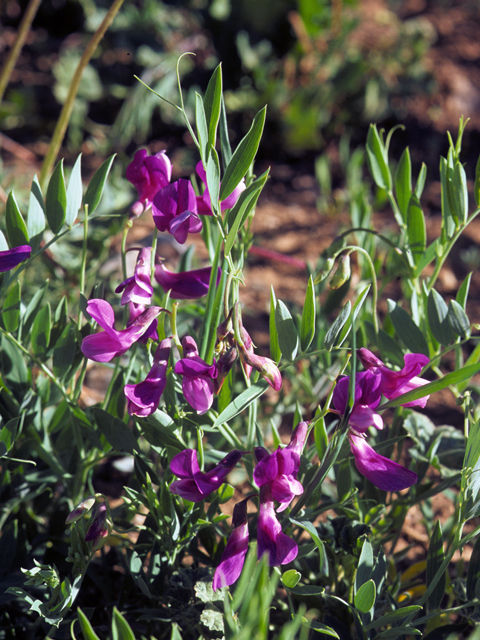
97,184
353,315
244,205
121,630
435,557
377,159
397,632
41,328
321,438
11,308
406,329
307,325
115,431
309,528
417,232
453,378
338,324
458,319
224,139
448,220
74,192
274,346
243,156
365,566
35,215
212,104
16,228
437,313
473,573
462,293
202,130
422,176
429,255
291,578
460,193
64,351
403,182
56,200
390,348
8,433
287,331
32,309
242,401
213,179
394,616
365,597
87,629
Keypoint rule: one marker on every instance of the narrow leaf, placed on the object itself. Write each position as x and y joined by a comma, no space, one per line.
353,315
97,184
307,325
115,431
243,156
202,130
121,630
403,182
86,627
287,331
460,192
462,293
309,528
406,329
16,228
11,308
417,232
337,326
365,596
242,401
212,104
377,159
74,192
56,200
422,176
435,557
458,319
41,328
35,215
437,313
275,352
64,351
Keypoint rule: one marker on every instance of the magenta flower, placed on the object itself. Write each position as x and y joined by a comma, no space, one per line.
105,345
138,289
204,203
396,383
367,398
194,484
231,563
281,549
265,366
136,310
186,285
97,525
198,377
143,398
12,257
382,472
175,210
148,174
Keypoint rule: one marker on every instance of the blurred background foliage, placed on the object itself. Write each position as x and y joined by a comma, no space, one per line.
323,66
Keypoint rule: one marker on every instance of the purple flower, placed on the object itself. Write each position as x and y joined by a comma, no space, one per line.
148,174
83,508
231,563
265,366
186,285
367,398
136,310
396,383
279,469
198,377
281,549
105,345
12,257
138,289
382,472
204,203
143,398
175,210
194,484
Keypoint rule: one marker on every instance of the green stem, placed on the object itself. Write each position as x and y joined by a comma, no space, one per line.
374,282
12,57
83,267
63,120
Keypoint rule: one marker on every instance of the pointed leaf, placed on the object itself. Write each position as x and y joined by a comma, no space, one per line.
213,178
435,557
462,293
307,325
41,328
447,215
35,215
275,352
337,326
115,431
460,193
202,130
16,228
437,312
212,104
417,232
353,315
121,630
421,181
11,308
365,597
287,331
458,319
365,565
321,438
32,309
406,329
242,401
87,629
309,528
97,184
74,192
64,351
56,200
243,156
224,139
403,182
377,159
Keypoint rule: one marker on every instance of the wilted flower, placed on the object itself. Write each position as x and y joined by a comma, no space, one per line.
143,398
12,257
148,174
105,345
195,485
231,563
175,210
198,377
138,288
186,285
204,203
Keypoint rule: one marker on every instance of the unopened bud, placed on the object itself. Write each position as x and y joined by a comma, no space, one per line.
78,512
343,272
266,367
224,363
324,271
97,525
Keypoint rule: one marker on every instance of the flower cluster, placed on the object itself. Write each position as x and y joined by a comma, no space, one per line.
370,385
100,526
275,474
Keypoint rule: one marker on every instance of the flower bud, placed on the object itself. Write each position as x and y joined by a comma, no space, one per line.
343,272
78,512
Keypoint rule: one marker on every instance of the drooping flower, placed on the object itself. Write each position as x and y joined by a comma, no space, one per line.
281,549
148,174
105,345
265,366
13,257
175,210
381,471
194,484
186,285
396,383
143,398
198,377
204,203
138,288
367,399
231,563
